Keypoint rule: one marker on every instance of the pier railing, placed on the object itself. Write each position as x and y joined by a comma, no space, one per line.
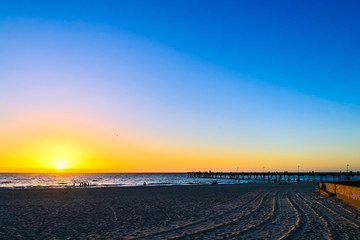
277,176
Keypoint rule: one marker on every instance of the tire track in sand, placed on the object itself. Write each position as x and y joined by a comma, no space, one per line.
215,230
211,221
303,221
332,208
315,225
282,220
247,222
333,229
341,225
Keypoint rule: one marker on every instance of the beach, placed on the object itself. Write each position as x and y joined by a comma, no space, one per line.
237,211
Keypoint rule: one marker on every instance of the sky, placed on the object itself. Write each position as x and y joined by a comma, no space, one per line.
175,86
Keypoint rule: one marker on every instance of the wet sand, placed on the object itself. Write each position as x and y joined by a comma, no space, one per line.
244,211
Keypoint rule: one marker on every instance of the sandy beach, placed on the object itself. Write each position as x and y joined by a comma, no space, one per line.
244,211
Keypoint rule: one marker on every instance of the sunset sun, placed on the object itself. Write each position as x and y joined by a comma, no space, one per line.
60,164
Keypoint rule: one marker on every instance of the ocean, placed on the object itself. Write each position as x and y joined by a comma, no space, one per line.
68,180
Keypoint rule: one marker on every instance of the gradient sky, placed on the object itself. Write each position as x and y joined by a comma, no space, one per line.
169,86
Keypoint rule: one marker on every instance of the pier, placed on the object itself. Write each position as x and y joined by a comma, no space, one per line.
277,176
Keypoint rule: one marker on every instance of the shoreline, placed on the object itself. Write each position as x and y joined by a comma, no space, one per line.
151,185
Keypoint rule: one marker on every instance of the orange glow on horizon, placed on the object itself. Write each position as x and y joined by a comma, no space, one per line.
75,147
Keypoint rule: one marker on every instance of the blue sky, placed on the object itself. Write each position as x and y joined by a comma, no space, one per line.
235,75
306,46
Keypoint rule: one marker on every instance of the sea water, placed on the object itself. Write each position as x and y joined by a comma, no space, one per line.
68,180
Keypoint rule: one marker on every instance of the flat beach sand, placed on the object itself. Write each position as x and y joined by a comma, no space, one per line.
242,211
